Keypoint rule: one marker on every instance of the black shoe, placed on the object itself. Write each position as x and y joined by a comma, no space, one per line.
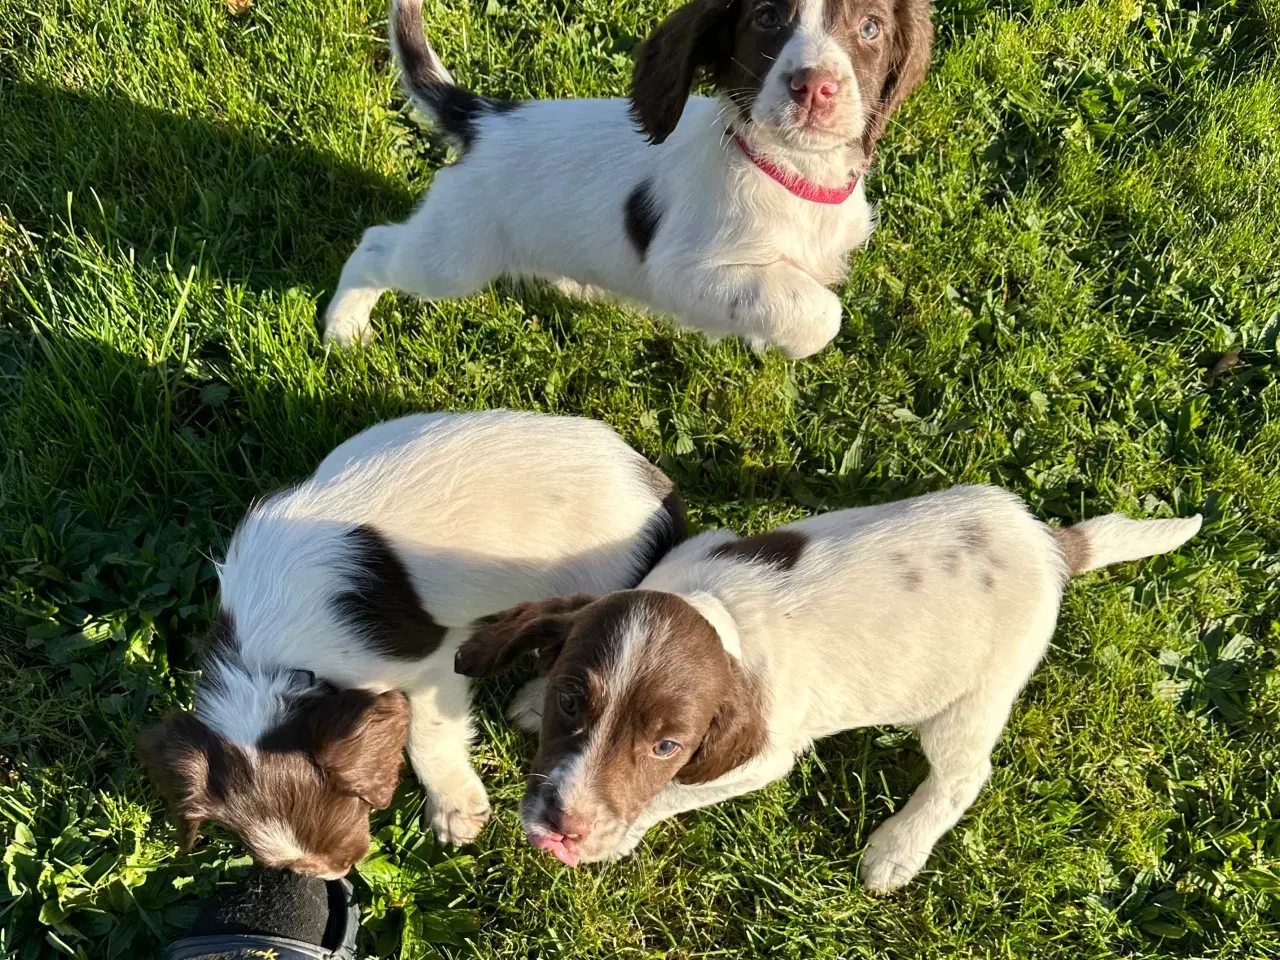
275,915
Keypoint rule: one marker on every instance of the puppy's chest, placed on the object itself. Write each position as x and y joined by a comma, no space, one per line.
815,237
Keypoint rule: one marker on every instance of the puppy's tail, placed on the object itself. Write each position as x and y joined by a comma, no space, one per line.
455,111
1103,541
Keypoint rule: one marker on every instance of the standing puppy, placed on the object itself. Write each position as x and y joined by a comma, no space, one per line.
735,224
344,599
733,656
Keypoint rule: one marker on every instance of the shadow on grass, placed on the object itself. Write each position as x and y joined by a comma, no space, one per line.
257,209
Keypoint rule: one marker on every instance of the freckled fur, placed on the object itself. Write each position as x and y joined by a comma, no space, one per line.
841,641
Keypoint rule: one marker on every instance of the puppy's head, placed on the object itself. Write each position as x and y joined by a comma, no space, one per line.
299,795
641,691
810,75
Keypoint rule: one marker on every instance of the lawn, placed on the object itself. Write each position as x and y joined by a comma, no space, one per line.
1074,292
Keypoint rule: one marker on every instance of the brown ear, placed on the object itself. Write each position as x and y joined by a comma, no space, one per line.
358,739
737,733
912,43
192,767
500,639
697,35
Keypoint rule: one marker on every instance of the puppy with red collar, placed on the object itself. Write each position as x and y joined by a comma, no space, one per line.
734,655
733,214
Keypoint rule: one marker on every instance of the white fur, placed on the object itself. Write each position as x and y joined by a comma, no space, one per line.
486,510
881,621
542,192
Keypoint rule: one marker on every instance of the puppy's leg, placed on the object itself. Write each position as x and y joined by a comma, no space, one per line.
446,249
362,282
525,709
775,305
439,749
958,744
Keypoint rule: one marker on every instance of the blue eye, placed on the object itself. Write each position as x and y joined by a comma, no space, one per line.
665,749
869,29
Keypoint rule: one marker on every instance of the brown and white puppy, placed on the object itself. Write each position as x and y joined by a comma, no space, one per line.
734,655
343,600
735,225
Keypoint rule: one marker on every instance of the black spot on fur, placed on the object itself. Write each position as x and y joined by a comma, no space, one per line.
457,109
640,217
668,526
778,548
454,109
382,606
220,641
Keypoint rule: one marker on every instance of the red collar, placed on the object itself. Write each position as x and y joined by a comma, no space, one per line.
805,189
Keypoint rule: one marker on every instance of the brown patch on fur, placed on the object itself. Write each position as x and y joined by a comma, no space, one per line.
753,53
382,607
777,548
696,36
316,775
727,39
908,573
975,536
684,687
540,625
1075,549
886,77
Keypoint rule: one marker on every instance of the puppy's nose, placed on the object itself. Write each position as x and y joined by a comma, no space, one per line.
811,87
570,824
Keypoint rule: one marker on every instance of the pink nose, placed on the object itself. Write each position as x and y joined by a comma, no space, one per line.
813,88
572,827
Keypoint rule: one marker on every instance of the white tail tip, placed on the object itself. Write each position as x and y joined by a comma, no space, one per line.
1115,538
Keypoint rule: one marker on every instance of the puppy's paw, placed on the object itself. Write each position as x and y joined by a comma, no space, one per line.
816,322
891,861
347,324
790,311
525,709
457,818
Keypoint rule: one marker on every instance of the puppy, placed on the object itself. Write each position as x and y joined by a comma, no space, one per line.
344,599
734,655
736,224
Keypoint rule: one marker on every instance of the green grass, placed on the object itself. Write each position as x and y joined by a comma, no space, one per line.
1079,217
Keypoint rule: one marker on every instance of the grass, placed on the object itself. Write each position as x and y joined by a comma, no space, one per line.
1079,219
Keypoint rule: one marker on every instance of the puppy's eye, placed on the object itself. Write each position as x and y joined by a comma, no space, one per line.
569,704
869,29
767,17
665,749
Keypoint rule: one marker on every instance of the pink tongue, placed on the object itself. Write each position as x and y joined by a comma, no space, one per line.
557,848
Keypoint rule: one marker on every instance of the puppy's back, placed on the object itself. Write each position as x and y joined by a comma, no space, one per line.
483,510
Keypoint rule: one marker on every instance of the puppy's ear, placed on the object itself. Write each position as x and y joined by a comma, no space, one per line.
736,734
191,767
358,739
500,639
699,34
912,43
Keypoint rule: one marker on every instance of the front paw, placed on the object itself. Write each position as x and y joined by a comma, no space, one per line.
347,325
457,818
892,860
799,318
